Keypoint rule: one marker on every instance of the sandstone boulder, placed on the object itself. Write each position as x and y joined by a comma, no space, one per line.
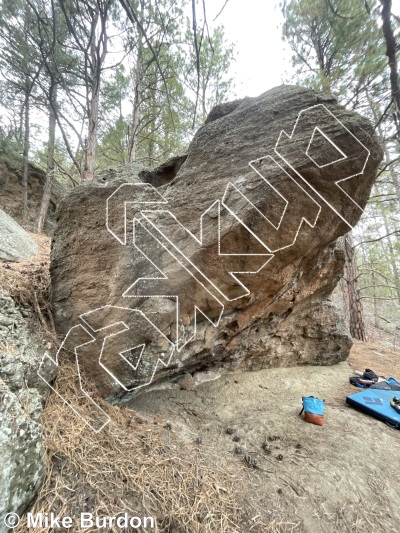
228,264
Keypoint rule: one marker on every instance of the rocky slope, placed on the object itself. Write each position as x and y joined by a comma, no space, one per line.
22,394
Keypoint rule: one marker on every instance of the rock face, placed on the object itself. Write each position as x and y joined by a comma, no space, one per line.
21,397
231,263
15,243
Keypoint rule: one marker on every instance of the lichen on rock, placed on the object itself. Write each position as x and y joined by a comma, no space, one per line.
22,393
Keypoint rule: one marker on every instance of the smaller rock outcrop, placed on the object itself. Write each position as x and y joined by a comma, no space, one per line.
22,393
15,243
11,194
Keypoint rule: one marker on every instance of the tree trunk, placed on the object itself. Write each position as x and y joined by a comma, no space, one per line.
25,158
50,161
137,99
90,155
203,102
391,258
376,316
396,186
351,292
97,51
133,137
391,47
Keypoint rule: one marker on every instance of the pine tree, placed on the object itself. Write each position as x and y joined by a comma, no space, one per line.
20,66
339,48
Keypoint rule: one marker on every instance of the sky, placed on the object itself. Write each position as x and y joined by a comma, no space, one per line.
262,57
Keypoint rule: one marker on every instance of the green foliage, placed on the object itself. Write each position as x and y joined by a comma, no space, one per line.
337,45
62,166
10,152
165,110
112,149
211,85
47,58
165,76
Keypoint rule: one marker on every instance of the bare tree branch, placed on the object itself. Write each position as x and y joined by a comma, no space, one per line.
221,10
395,232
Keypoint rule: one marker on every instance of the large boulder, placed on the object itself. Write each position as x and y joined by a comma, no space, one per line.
15,243
231,262
22,393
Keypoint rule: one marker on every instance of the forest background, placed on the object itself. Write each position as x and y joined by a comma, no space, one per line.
86,85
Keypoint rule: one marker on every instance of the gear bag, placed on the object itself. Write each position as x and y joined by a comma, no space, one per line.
313,410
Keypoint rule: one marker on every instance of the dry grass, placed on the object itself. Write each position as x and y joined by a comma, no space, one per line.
28,283
142,466
133,465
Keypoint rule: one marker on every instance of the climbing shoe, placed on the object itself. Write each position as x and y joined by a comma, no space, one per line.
395,403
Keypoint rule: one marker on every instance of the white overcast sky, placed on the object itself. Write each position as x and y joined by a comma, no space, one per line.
254,25
262,57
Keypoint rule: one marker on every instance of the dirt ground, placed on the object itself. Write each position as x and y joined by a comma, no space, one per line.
243,430
342,477
384,361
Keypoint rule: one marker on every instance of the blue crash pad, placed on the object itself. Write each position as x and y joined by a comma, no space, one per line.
376,402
